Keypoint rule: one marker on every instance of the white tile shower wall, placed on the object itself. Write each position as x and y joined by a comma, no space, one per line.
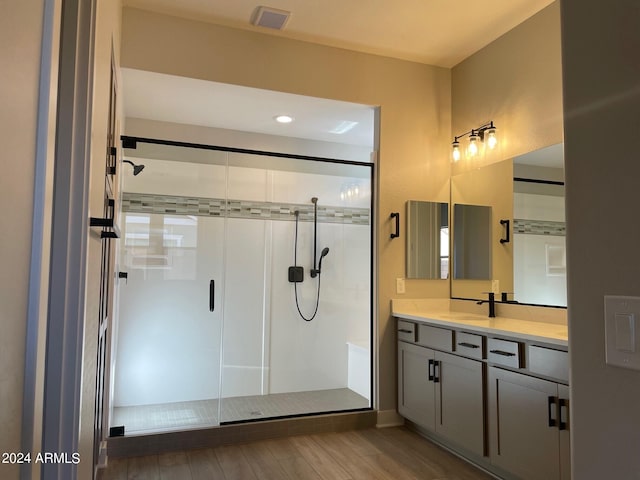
274,350
301,187
177,178
246,328
532,283
538,207
313,355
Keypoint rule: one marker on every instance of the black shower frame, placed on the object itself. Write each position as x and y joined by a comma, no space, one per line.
130,142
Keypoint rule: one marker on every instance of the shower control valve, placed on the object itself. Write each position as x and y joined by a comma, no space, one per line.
296,274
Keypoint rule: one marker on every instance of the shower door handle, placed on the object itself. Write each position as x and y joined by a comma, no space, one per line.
212,294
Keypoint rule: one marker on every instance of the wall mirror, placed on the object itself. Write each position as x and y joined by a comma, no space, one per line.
427,240
471,242
527,190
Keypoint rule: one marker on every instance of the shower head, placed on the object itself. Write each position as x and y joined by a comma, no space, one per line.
136,168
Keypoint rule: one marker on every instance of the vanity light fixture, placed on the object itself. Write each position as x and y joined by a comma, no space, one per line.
485,133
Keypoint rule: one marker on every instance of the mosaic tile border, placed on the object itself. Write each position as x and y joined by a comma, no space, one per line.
217,207
539,227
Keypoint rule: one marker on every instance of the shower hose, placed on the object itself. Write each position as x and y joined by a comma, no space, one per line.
295,284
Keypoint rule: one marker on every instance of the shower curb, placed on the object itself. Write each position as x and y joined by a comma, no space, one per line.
152,444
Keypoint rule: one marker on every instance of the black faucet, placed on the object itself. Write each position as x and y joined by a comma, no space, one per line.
492,304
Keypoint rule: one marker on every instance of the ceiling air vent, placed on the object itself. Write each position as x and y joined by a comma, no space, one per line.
270,18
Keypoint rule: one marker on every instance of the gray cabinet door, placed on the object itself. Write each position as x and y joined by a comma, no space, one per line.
416,400
521,438
460,401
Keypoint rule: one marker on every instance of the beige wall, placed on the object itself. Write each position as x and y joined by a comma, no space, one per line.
602,113
414,102
20,38
516,81
491,186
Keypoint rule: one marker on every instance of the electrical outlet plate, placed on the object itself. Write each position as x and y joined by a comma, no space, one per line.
400,285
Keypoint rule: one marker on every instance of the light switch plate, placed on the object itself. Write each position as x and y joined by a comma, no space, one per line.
621,315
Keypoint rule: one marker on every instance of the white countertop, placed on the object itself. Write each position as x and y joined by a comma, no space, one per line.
552,333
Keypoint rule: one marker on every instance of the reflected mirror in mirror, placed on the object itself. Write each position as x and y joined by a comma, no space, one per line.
471,242
427,240
539,247
492,186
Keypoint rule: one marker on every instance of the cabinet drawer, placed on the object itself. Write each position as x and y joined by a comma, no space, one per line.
470,345
505,352
435,337
549,362
406,331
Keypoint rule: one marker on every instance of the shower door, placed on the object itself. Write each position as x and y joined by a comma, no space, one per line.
167,375
209,330
275,363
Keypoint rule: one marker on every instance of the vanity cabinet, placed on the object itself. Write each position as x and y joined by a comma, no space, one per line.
529,425
442,393
500,400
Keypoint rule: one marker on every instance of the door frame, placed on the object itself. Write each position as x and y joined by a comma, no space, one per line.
56,309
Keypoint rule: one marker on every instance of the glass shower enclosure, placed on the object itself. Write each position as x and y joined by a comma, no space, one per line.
208,331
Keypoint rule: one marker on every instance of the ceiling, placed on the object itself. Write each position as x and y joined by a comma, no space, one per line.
550,157
436,32
190,101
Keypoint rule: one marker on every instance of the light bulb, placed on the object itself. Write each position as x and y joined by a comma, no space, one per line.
473,145
283,118
492,141
456,151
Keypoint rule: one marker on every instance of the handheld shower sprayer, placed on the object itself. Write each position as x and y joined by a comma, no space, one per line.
324,253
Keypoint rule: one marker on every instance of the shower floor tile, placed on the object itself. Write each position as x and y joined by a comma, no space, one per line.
204,413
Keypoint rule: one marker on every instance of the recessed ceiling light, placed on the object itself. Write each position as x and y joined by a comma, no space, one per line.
283,118
343,127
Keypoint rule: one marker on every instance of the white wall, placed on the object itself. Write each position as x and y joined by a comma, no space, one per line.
602,104
20,37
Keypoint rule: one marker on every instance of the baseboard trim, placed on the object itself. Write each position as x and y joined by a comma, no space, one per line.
389,418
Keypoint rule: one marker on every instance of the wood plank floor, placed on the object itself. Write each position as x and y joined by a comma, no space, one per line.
372,454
